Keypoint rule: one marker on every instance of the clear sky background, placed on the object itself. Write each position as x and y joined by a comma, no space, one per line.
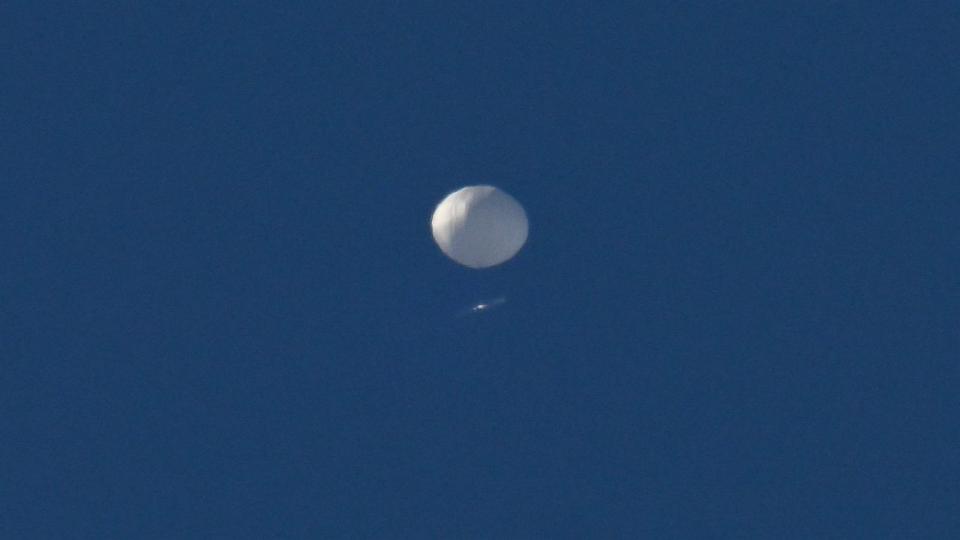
222,314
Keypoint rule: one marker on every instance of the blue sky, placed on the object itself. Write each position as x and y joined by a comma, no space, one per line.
223,313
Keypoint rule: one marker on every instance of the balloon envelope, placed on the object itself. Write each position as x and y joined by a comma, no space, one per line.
479,226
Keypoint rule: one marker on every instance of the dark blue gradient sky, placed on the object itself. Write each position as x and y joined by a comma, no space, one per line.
223,315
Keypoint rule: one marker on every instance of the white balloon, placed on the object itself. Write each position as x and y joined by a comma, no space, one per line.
479,226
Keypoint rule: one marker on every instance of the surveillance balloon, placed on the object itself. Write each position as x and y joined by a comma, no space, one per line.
479,226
